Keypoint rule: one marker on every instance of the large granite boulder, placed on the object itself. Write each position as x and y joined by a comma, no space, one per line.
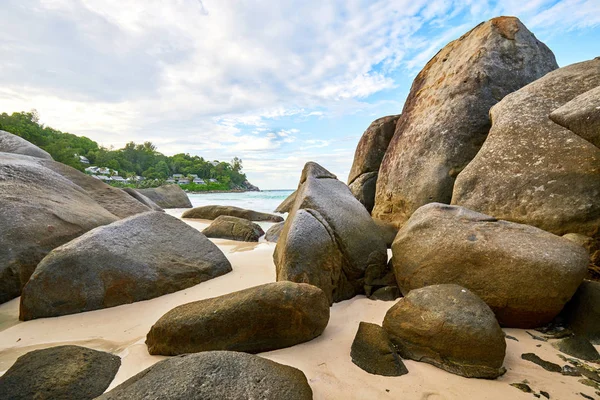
581,116
532,170
212,212
449,327
374,353
10,143
39,210
168,196
254,320
329,239
582,312
134,259
222,375
287,204
142,199
445,117
367,159
524,274
234,228
62,372
274,232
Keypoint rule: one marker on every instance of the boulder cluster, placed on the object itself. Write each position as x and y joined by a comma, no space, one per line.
486,188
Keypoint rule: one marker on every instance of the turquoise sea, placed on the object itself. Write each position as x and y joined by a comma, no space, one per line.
265,201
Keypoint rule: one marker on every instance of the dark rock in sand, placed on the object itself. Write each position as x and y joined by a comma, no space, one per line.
582,312
373,352
547,365
254,320
287,204
449,327
329,239
524,274
62,372
445,118
579,347
10,143
532,170
39,210
274,232
137,258
367,159
142,199
522,387
224,375
212,212
167,196
234,228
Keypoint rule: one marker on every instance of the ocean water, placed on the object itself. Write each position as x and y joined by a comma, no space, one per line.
265,201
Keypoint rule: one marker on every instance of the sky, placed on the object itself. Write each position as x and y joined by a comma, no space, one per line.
276,83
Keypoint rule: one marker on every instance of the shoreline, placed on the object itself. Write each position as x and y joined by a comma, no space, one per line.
223,191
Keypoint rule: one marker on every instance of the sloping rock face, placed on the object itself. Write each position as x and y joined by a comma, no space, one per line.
367,159
254,320
532,170
62,372
274,232
524,274
39,210
582,313
581,116
137,258
234,228
329,239
449,327
373,351
223,375
142,199
10,143
213,212
287,204
445,118
168,196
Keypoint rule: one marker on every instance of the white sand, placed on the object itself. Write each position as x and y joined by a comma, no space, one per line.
325,361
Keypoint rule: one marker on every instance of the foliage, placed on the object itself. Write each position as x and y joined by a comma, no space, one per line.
134,159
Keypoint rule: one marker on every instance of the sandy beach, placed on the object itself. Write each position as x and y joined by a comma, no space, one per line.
325,361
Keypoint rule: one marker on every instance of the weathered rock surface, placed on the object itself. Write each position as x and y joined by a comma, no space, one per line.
222,375
329,239
367,159
287,204
10,143
254,320
547,365
524,274
532,170
274,232
234,228
386,293
142,199
450,327
581,116
212,212
579,347
373,352
445,118
62,372
167,196
137,258
582,312
39,210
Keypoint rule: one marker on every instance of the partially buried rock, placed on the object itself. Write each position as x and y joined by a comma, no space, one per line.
39,210
449,327
329,239
373,352
582,312
137,258
579,347
213,212
167,196
274,232
234,228
10,143
547,365
524,274
254,320
62,372
215,375
445,118
142,199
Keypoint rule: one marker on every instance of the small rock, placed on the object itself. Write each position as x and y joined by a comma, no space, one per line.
590,383
373,352
567,370
234,228
512,338
212,212
547,365
545,394
522,386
